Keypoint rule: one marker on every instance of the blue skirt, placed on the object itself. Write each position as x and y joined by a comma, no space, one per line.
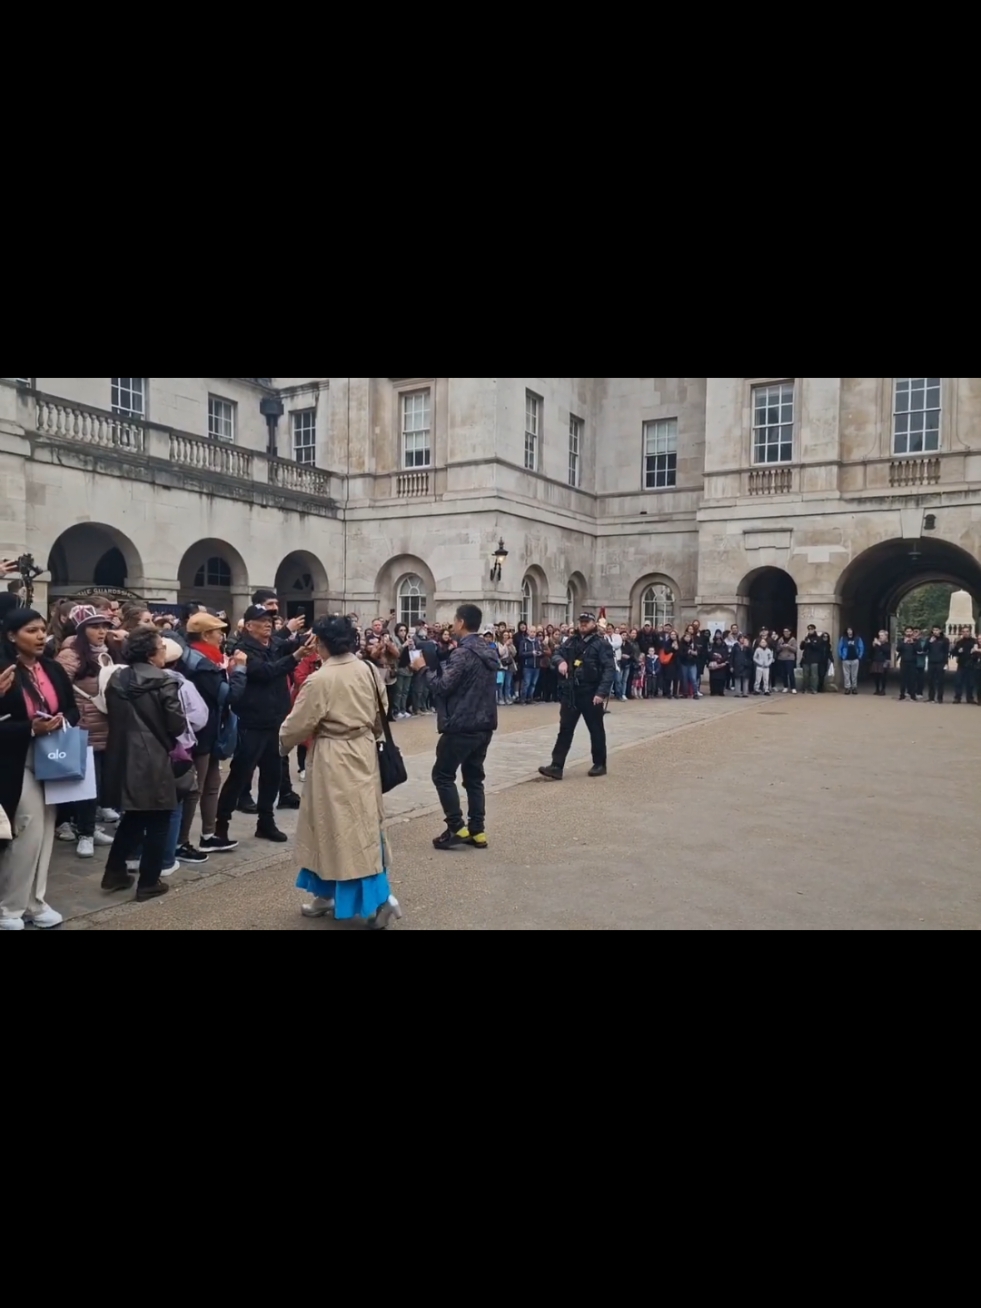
360,898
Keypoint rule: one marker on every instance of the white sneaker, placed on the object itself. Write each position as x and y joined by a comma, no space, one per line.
11,924
102,837
786,690
86,847
169,871
46,919
303,775
319,908
66,832
107,815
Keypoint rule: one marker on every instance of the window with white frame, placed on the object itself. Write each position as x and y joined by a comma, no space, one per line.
661,454
575,451
916,415
417,446
527,602
412,601
221,419
533,429
658,605
773,423
305,437
129,396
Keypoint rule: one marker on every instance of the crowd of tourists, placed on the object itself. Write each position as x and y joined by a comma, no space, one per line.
166,699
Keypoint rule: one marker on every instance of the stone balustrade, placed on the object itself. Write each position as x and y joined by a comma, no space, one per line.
74,422
299,477
411,484
771,481
211,456
914,472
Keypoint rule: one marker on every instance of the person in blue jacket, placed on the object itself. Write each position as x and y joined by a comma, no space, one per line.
851,651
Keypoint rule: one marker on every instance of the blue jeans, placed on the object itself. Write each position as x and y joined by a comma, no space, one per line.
530,683
690,677
508,683
618,688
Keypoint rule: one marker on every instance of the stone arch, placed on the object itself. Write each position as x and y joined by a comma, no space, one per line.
659,581
302,586
88,554
768,597
872,586
389,586
576,597
212,572
534,595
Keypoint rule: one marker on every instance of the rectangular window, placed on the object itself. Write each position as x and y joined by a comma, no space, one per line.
533,430
221,419
575,451
129,396
661,454
916,415
305,437
773,423
417,445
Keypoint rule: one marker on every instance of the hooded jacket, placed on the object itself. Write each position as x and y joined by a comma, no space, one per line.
465,688
145,721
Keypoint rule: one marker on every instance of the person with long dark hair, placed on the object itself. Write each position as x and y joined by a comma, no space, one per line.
881,652
84,656
341,845
145,720
36,700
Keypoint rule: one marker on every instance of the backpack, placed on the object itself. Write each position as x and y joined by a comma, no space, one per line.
106,671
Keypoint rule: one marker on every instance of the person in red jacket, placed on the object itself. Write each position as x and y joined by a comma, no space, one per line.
307,666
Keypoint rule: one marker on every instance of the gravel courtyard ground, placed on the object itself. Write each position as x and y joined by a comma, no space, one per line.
789,813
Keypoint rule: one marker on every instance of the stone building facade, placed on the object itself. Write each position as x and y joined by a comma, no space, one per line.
734,499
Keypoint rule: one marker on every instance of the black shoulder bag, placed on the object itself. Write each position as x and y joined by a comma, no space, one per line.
391,765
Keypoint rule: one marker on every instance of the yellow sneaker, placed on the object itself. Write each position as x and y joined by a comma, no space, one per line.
479,841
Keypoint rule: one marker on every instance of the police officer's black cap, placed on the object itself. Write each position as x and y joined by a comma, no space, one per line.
587,617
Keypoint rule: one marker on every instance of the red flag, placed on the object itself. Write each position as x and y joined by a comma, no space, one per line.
602,614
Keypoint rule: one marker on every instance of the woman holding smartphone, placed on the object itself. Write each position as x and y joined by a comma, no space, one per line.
36,699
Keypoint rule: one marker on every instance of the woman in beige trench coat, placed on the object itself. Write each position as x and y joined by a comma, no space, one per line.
341,844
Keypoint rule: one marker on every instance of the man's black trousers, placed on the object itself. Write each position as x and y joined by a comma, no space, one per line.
581,706
256,749
465,753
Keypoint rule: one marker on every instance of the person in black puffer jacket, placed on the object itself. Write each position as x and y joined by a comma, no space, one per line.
464,689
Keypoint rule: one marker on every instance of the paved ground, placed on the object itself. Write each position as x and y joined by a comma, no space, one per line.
794,813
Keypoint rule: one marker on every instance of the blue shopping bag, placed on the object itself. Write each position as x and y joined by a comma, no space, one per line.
62,756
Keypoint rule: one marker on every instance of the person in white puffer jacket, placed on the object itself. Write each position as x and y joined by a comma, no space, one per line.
763,658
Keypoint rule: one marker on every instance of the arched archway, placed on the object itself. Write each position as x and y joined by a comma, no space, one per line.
656,599
302,586
407,585
770,598
90,555
213,573
874,584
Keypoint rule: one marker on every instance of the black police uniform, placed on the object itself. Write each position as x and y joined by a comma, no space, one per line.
591,675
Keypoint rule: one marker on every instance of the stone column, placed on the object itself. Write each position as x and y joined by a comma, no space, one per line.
825,614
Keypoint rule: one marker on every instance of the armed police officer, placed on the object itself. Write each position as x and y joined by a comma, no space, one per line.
586,674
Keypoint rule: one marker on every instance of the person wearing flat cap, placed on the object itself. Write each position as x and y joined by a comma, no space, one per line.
221,684
584,662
